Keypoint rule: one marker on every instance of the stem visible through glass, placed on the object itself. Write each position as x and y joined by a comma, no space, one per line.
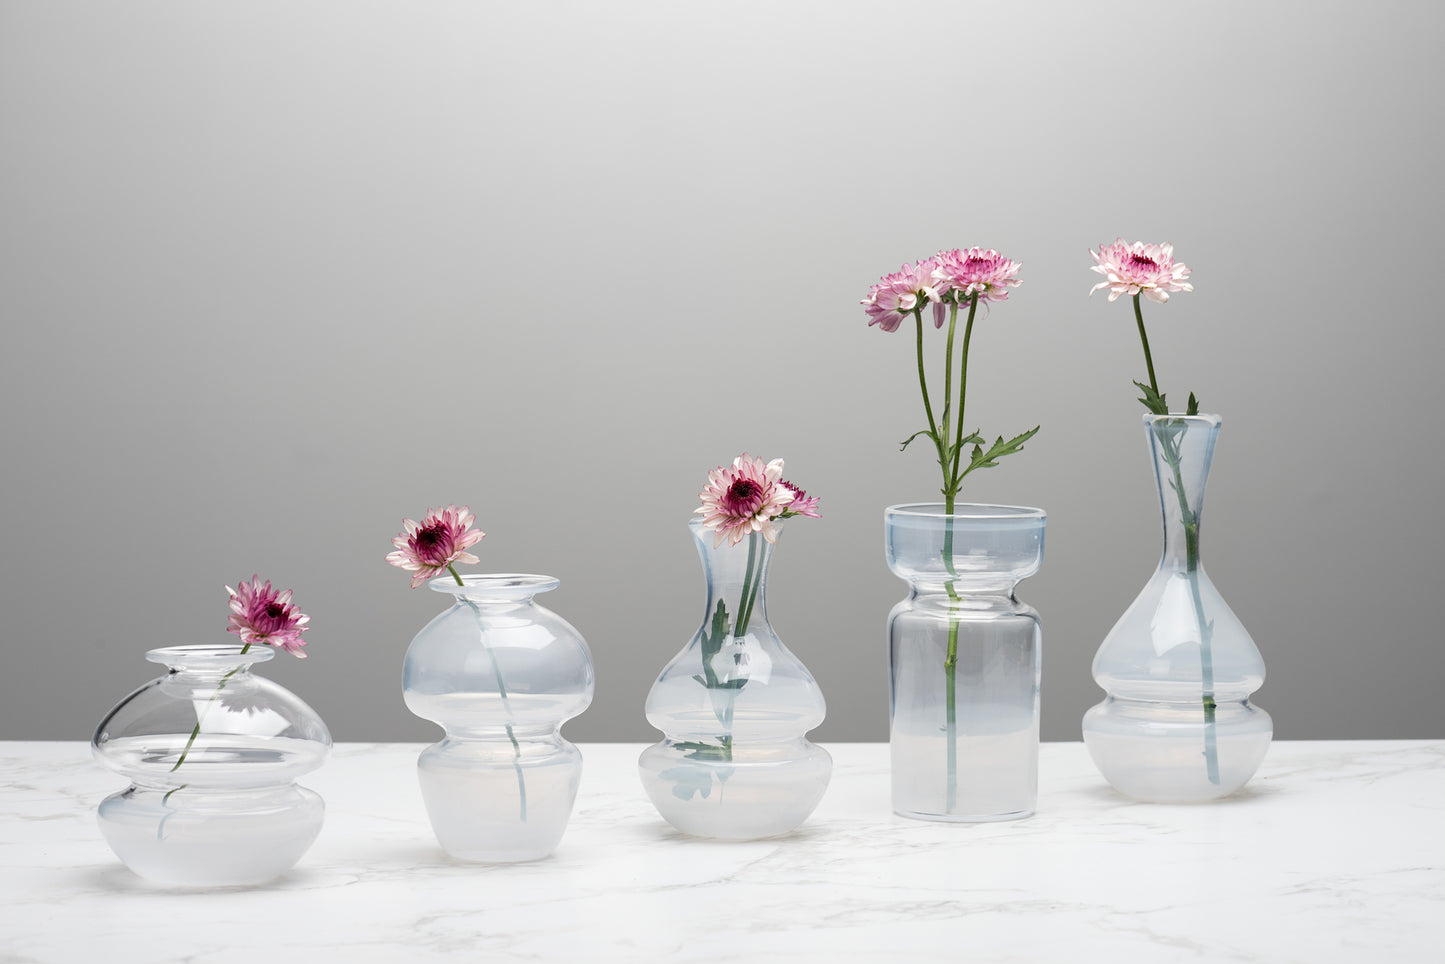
506,704
952,480
196,730
747,599
1173,456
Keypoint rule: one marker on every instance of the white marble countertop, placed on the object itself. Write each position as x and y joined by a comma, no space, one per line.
1335,852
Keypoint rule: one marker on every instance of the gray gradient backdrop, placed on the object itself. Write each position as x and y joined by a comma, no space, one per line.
276,274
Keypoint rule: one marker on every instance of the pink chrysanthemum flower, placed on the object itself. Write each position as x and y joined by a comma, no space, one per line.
1138,268
260,614
802,504
428,547
897,295
744,498
984,273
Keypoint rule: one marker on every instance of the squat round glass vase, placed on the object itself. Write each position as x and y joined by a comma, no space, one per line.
501,675
1178,667
964,661
212,752
735,707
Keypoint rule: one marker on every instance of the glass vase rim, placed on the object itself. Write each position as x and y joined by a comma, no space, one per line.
495,585
988,512
1205,418
210,655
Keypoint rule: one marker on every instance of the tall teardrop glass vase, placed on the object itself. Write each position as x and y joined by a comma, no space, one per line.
501,675
735,706
1177,725
964,661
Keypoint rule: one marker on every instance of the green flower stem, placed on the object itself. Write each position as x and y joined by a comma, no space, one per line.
950,462
1206,658
948,410
1191,565
1173,457
957,479
923,386
950,661
748,597
1144,339
196,730
506,704
950,686
952,480
727,737
747,600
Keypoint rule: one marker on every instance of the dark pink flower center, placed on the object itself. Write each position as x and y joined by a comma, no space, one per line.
267,617
1142,261
433,544
742,497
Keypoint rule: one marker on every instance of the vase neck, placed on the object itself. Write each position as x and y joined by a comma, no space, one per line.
1182,448
206,661
499,590
984,549
737,578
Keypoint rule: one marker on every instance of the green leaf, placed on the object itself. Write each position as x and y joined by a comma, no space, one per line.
720,627
712,643
1000,448
694,750
1193,405
1152,400
923,431
688,781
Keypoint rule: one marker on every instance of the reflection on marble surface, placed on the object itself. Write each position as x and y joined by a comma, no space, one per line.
1334,852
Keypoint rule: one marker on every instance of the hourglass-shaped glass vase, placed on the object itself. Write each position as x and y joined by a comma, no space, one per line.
964,661
1179,667
735,706
501,675
212,752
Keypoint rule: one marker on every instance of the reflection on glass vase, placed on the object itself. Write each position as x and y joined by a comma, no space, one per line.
1179,667
964,661
501,675
735,706
212,751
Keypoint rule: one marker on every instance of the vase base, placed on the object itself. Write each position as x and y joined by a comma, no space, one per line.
964,817
1148,754
486,808
200,838
742,799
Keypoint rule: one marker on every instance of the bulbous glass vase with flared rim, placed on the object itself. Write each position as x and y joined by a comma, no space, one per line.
500,674
1177,725
735,706
964,661
212,752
